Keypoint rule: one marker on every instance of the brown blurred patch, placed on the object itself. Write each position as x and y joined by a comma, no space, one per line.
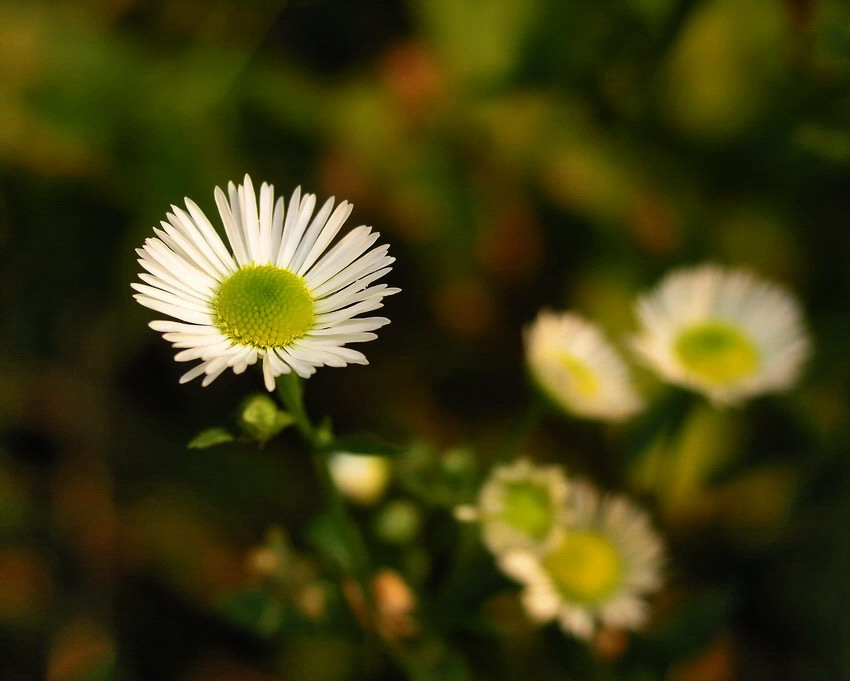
510,245
217,667
22,45
342,174
610,643
714,664
413,210
171,533
654,224
291,577
505,612
79,648
465,307
755,507
83,507
411,74
27,586
394,604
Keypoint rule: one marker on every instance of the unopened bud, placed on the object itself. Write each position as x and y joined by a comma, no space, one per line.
399,522
362,479
261,419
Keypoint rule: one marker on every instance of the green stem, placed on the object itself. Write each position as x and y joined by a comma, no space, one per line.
525,423
665,418
291,391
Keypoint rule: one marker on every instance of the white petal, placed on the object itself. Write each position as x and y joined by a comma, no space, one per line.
310,236
232,228
266,211
330,230
174,311
250,219
211,236
268,377
349,248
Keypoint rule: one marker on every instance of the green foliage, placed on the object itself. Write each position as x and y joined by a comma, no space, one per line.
363,443
515,155
211,437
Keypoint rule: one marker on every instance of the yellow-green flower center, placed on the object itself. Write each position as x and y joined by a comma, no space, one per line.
586,567
263,306
527,508
716,352
582,377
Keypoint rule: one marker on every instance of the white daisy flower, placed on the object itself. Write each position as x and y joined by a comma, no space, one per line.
722,332
573,363
599,571
520,506
277,294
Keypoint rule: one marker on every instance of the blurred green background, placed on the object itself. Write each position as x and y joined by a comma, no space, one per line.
515,154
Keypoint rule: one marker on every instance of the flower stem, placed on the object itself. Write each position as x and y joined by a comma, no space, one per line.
665,419
291,391
527,420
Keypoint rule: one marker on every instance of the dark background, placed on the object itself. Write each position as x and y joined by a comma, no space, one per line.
515,155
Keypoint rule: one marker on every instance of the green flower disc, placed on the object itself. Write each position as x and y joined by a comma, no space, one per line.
263,306
717,353
583,377
527,508
586,567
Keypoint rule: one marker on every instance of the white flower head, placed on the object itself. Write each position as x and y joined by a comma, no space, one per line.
598,573
573,363
279,293
521,506
722,332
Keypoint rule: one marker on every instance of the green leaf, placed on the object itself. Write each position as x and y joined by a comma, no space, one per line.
363,443
257,610
326,535
211,436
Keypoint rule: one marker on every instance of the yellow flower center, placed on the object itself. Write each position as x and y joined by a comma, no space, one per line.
716,352
582,377
263,306
586,567
527,508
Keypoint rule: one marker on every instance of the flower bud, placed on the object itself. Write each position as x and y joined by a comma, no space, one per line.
399,522
361,478
261,419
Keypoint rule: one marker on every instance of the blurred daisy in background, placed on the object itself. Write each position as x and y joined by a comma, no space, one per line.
521,505
722,332
278,294
598,572
572,362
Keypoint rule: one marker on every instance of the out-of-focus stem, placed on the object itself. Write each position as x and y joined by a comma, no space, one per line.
526,422
291,393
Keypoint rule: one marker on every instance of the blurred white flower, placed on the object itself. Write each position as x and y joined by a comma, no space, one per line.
722,332
521,505
278,293
573,363
598,572
361,478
